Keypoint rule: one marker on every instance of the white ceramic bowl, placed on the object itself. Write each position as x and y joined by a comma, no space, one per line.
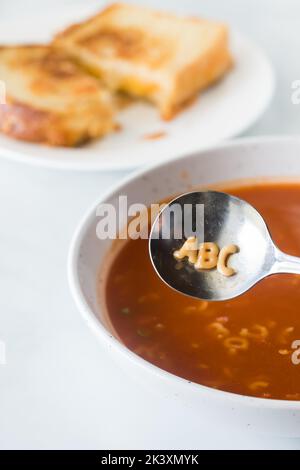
245,158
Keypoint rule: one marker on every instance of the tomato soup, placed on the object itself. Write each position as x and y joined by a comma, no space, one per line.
245,345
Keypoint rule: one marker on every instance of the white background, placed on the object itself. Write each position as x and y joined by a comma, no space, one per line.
59,389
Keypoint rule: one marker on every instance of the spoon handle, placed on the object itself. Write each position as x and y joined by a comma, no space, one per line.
286,263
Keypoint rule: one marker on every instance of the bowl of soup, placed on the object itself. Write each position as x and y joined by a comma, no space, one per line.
235,361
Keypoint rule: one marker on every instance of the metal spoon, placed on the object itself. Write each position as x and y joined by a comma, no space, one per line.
226,220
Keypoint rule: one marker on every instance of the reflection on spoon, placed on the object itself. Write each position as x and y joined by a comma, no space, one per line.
227,222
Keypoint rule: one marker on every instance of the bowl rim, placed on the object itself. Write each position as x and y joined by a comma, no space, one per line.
104,335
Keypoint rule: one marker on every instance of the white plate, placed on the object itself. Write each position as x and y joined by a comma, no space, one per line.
223,111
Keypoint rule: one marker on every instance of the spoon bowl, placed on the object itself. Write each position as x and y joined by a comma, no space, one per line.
223,219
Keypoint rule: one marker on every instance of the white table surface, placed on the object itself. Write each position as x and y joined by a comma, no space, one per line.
59,389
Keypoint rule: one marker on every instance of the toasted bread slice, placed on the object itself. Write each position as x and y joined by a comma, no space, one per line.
50,99
153,55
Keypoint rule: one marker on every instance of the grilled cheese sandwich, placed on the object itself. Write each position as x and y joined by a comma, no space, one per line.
50,99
